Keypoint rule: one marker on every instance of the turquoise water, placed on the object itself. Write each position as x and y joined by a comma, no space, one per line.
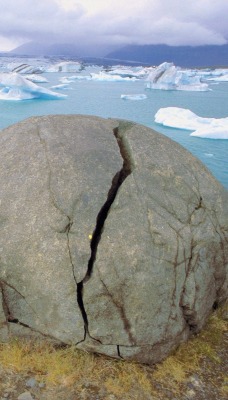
103,99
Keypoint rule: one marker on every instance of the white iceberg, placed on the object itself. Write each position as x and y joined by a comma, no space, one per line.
181,118
212,132
24,68
168,77
128,73
36,78
66,66
133,96
62,86
74,78
102,76
222,78
15,87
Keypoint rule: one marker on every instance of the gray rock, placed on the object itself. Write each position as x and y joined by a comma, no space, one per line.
31,382
25,396
112,236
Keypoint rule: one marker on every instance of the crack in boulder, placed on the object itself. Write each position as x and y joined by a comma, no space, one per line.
117,181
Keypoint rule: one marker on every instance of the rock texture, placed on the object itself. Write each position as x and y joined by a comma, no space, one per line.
112,237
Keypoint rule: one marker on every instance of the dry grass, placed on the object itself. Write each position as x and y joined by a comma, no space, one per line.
65,366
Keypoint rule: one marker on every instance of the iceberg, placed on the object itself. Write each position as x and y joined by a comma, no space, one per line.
102,76
62,86
24,68
36,78
15,87
133,96
168,77
74,78
222,78
212,132
218,74
128,73
66,66
181,118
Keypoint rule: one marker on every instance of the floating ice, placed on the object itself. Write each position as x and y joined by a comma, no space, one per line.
102,76
74,78
66,66
181,118
24,68
15,87
222,78
36,78
212,132
133,96
168,77
209,154
128,73
62,86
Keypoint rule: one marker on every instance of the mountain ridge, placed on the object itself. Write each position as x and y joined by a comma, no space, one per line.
185,56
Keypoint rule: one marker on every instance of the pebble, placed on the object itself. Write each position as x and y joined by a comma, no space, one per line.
190,394
31,383
25,396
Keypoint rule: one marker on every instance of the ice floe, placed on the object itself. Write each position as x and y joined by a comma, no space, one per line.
222,78
36,78
102,76
65,66
15,87
61,86
24,68
70,79
168,77
133,96
181,118
128,73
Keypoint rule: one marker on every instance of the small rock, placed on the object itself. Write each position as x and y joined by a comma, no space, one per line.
190,394
195,381
31,383
25,396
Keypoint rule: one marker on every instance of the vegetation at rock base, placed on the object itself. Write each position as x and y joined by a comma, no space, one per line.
69,368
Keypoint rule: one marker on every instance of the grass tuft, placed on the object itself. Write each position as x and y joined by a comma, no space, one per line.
68,366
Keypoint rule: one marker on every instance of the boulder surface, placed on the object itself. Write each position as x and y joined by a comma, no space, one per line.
112,237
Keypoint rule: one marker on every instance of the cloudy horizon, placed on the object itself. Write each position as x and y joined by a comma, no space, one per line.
102,23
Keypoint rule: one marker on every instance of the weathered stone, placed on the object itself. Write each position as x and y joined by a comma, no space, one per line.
157,260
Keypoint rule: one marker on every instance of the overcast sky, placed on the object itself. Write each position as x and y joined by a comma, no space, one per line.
173,22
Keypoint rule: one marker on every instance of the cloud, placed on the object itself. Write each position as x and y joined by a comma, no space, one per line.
95,22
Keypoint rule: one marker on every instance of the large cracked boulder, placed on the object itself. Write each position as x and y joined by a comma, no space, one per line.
112,237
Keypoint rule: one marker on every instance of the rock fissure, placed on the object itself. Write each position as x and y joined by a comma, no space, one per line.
78,285
118,351
117,181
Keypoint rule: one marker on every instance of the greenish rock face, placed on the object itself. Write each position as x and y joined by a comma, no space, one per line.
112,237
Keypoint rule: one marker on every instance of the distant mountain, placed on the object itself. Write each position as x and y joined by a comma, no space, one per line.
184,56
62,49
39,49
